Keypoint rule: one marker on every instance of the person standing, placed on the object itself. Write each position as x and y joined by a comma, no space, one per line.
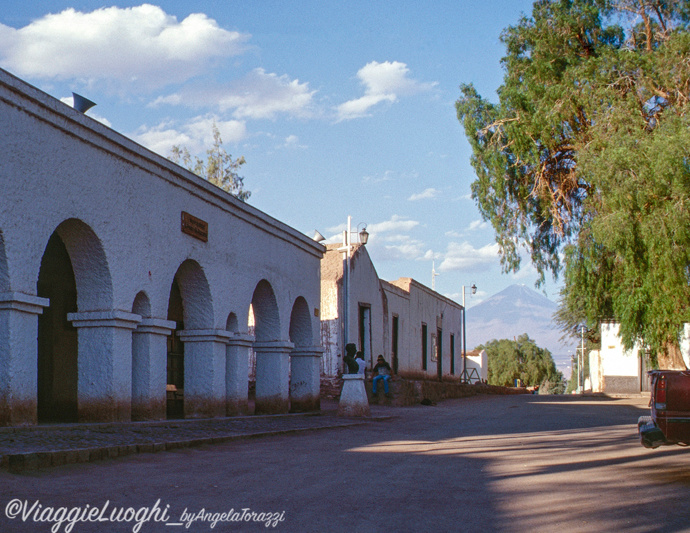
361,362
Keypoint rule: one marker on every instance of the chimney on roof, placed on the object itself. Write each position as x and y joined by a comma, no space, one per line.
82,104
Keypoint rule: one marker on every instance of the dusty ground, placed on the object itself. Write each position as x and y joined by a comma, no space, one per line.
487,463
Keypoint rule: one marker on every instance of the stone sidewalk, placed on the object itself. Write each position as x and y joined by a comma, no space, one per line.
43,446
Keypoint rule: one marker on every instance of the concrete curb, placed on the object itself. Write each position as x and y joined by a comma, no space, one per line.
21,462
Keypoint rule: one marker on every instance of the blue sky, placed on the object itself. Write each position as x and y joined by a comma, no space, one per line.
339,108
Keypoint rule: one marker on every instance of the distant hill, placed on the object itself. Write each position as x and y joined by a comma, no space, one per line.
514,311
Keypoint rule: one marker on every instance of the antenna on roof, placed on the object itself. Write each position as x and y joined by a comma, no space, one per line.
82,104
433,275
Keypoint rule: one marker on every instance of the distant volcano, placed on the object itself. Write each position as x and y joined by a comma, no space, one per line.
514,311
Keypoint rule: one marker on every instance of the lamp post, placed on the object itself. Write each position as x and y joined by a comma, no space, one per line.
464,377
346,249
580,364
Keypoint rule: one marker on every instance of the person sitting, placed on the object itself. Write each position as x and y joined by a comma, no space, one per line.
382,371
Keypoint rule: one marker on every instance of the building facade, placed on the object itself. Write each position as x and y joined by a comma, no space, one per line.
131,289
416,329
615,370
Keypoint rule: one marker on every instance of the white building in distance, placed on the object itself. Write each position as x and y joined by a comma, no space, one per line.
615,370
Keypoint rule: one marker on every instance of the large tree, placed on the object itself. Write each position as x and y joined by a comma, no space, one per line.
219,167
521,359
584,162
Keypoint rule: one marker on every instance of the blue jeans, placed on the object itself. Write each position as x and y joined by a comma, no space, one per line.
385,379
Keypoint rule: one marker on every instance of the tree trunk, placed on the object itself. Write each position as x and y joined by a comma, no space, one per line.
670,357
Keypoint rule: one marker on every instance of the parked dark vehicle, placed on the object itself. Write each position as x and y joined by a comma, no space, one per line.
669,422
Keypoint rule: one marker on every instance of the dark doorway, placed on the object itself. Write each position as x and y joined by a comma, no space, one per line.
425,336
175,383
365,331
439,353
394,343
57,392
452,354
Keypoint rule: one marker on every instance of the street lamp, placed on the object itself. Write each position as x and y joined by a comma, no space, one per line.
580,364
464,378
364,235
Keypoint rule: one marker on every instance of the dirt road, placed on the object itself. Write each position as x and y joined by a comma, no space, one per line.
488,463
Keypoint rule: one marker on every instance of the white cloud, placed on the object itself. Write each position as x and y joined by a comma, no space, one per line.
389,78
359,107
478,224
134,48
394,226
383,82
425,194
195,135
464,256
395,223
259,95
292,141
388,240
262,95
411,249
386,176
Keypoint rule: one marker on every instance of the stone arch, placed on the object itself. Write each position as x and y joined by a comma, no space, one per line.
195,294
142,305
89,263
74,276
232,324
265,310
300,324
191,308
304,360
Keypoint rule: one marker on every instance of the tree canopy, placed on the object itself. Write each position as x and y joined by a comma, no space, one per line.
219,168
521,359
584,162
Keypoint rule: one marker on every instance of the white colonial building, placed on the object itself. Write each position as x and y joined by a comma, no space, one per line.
417,330
615,370
132,289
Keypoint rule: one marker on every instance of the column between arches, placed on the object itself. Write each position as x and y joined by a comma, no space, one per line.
205,352
18,363
236,374
149,368
104,364
305,379
272,376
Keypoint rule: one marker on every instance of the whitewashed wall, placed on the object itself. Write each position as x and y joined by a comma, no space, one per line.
412,302
436,311
615,359
478,360
118,208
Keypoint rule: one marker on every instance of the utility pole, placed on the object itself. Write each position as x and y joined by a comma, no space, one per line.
464,377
